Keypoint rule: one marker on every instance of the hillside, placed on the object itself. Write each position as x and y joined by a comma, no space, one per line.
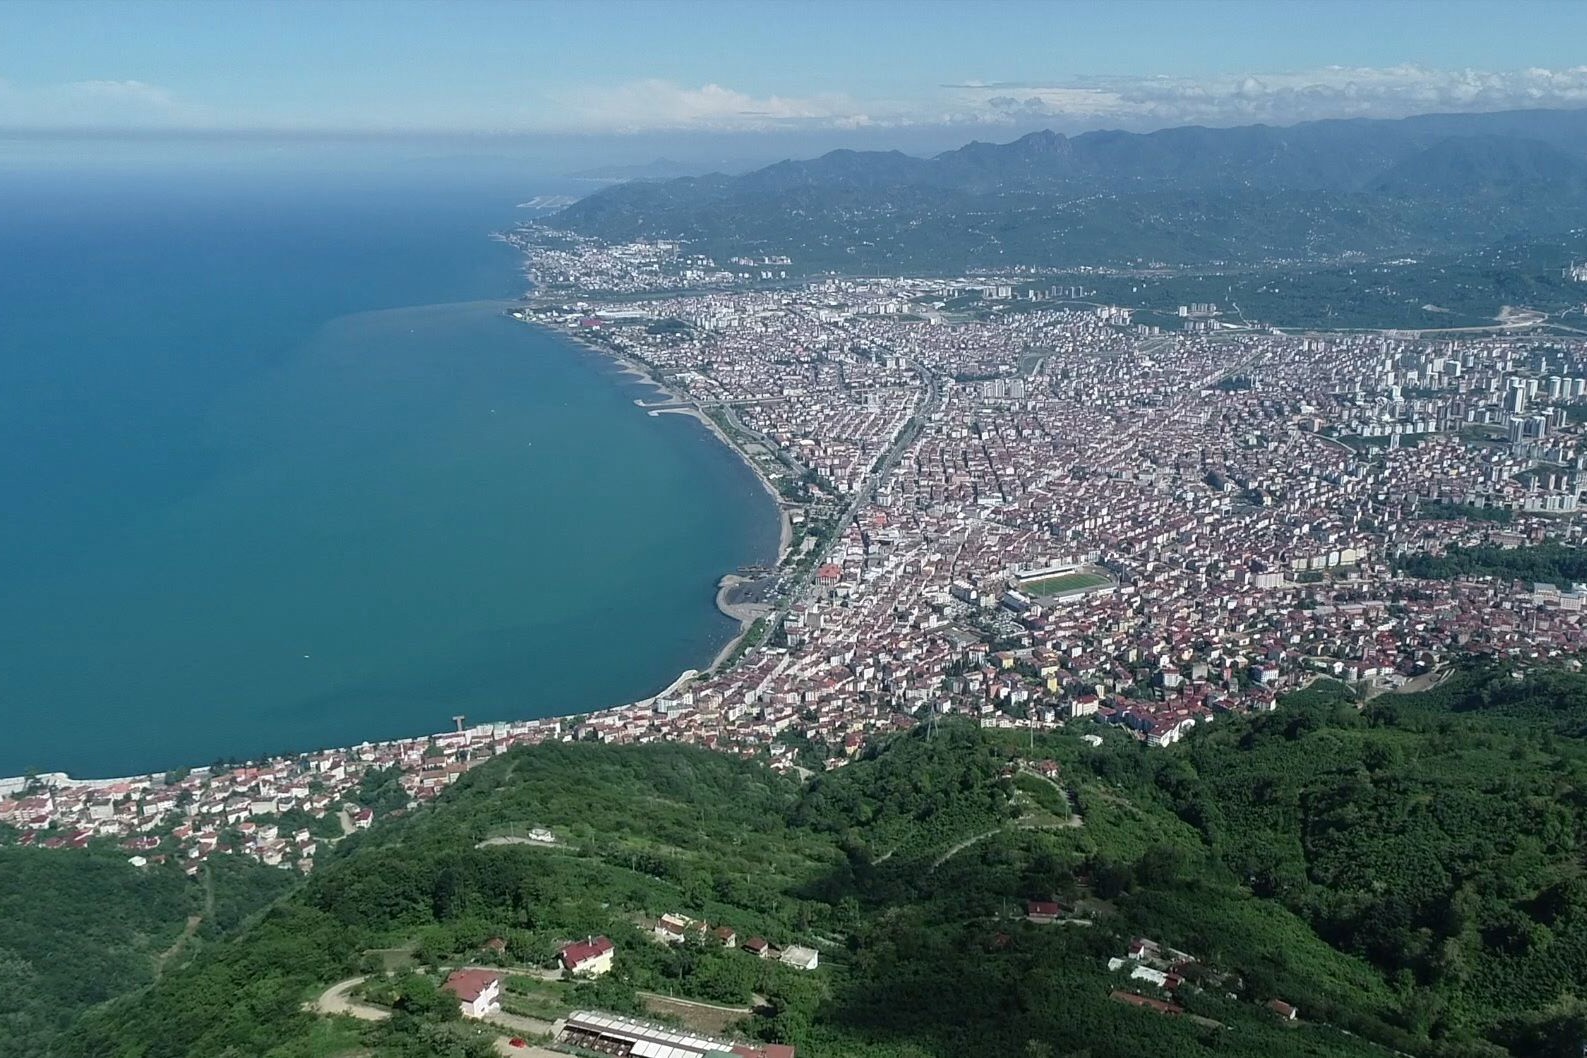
1409,873
79,927
1184,196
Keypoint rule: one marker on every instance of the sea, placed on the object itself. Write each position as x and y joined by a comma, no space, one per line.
278,473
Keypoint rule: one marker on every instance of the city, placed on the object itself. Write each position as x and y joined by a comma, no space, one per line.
1005,503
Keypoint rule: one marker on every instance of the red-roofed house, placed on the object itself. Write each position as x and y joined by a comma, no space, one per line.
588,958
478,992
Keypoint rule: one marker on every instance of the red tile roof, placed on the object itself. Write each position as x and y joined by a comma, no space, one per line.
581,952
469,985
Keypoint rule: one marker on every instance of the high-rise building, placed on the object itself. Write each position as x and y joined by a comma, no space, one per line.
1515,397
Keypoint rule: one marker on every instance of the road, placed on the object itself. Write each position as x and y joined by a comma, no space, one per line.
337,1000
701,405
961,846
862,495
765,441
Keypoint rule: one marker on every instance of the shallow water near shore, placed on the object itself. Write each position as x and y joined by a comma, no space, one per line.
280,474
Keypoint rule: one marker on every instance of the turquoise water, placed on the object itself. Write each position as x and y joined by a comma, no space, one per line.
278,474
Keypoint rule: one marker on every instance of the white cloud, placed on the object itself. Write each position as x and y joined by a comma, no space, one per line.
1082,102
1334,91
640,106
1073,104
96,104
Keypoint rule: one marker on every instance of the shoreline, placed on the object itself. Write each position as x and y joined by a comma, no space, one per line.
641,372
733,611
745,614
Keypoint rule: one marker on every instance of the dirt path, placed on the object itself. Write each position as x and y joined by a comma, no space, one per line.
961,846
1074,819
511,840
695,1003
338,1000
191,928
711,1018
170,953
520,1025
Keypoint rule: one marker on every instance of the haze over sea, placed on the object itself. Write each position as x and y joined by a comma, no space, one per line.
279,475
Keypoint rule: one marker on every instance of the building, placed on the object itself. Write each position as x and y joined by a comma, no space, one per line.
588,958
623,1036
800,957
675,929
1156,1006
478,992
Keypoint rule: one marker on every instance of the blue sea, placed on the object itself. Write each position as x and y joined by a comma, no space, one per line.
279,474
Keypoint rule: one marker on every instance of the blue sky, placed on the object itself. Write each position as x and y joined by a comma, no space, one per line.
782,70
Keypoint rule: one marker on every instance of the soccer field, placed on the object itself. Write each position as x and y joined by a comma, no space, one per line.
1062,583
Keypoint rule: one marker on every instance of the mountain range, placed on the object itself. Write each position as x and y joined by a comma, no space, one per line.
1181,196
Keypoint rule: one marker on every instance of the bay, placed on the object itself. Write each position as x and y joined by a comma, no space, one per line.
278,473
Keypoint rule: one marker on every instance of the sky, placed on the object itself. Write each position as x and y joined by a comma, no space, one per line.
628,78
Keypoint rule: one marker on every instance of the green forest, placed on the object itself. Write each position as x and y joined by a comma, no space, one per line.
79,927
1406,872
1551,563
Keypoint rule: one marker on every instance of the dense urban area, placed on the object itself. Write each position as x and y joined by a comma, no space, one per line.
1005,501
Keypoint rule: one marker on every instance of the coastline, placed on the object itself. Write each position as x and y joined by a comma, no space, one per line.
745,614
642,372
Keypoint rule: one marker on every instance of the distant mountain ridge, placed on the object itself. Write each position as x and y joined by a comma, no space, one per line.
659,169
1438,180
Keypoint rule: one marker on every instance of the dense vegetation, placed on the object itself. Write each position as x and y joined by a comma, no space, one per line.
82,926
1550,563
1407,873
1188,196
1438,836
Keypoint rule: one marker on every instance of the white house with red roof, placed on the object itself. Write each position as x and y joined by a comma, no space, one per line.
478,992
588,958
